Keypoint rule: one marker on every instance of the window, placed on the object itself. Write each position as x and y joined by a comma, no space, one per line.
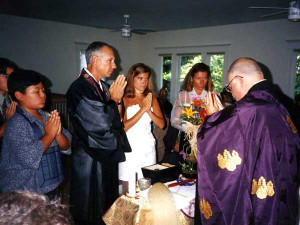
176,62
82,59
293,71
216,63
80,55
297,82
166,73
186,63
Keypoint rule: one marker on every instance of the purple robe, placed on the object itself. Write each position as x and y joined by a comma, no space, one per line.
247,164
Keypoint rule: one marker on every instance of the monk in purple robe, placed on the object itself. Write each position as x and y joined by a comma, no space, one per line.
247,155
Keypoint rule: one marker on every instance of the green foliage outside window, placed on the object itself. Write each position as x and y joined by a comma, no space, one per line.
167,63
166,72
297,83
187,63
216,70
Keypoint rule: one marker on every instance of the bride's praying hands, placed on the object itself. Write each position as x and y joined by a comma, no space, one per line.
147,102
144,104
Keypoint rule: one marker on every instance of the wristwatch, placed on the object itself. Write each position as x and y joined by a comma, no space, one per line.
119,102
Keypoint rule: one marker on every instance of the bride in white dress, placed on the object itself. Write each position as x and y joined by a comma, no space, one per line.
141,108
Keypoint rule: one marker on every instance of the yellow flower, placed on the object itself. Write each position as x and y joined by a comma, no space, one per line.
189,111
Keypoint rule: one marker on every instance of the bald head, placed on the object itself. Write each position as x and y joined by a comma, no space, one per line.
246,67
247,73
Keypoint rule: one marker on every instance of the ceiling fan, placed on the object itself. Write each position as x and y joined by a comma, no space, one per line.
293,11
126,29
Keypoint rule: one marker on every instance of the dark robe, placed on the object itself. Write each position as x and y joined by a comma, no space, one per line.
247,163
286,101
98,146
166,107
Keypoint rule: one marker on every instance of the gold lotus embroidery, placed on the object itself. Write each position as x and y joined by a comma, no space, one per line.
291,124
262,189
205,208
229,161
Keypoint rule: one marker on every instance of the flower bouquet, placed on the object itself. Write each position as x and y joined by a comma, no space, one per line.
193,115
194,112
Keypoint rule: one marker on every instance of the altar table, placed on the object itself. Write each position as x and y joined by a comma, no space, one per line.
127,211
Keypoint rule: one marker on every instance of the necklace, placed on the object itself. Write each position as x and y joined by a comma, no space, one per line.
138,91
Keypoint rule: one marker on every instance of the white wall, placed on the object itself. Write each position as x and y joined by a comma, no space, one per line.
49,47
264,41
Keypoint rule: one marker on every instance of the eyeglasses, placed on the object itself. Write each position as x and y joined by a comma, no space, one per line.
4,75
227,87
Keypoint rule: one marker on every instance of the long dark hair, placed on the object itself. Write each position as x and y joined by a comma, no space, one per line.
198,67
135,70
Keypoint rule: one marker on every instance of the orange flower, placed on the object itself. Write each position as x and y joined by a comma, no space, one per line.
198,103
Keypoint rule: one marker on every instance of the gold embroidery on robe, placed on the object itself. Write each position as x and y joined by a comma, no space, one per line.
262,189
205,208
229,161
291,124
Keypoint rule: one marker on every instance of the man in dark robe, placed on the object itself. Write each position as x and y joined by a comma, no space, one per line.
247,155
99,138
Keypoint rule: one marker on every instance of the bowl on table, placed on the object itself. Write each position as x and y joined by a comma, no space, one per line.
144,183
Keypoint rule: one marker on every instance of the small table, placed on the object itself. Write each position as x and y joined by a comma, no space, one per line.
126,210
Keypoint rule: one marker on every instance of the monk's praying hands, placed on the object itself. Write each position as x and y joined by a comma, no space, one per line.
213,103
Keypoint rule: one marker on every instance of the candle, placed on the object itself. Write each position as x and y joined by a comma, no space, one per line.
132,185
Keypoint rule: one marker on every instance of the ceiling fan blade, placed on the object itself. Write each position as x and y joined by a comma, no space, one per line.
143,30
273,14
138,32
111,29
258,7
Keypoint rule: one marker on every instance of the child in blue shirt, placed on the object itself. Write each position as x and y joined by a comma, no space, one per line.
32,140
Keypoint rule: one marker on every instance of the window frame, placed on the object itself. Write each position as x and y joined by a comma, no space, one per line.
79,47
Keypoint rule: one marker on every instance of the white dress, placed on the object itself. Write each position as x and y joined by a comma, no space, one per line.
142,145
